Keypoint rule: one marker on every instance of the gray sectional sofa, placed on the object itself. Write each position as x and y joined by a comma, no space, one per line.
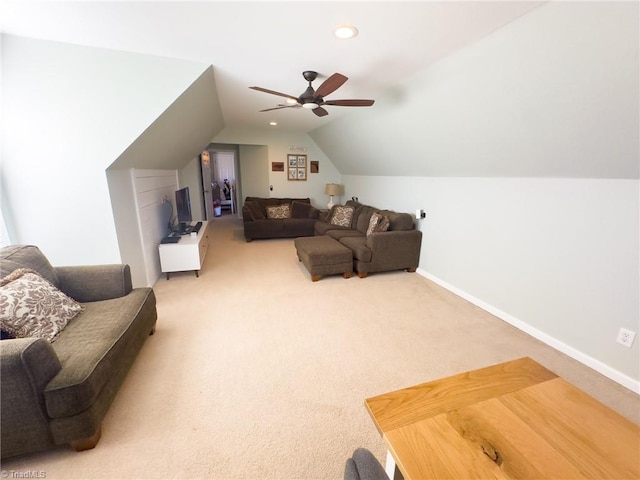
58,392
397,247
394,247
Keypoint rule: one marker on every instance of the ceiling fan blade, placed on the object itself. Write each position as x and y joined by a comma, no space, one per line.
350,103
320,112
278,108
273,92
330,85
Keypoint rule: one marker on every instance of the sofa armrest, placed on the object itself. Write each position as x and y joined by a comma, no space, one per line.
27,365
396,248
91,283
246,214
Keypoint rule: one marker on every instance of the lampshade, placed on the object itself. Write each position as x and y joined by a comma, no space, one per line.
332,189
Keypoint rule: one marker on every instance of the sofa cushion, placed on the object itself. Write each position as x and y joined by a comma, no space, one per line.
378,223
358,246
343,232
255,211
103,338
399,221
14,257
341,215
297,227
303,210
364,217
265,228
30,306
322,228
279,211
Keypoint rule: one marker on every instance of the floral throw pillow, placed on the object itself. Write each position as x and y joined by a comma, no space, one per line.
342,216
279,211
378,223
30,306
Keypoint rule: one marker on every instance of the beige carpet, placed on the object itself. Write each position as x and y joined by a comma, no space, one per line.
255,372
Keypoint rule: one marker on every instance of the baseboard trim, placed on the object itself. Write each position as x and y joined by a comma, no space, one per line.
597,365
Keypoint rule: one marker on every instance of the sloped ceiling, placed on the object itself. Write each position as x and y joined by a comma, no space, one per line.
553,94
269,44
546,89
179,134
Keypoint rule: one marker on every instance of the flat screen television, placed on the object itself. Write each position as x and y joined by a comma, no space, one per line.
183,208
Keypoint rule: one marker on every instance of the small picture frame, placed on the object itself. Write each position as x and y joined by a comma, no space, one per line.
277,166
314,166
297,167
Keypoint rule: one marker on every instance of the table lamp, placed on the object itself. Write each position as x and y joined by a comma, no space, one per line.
331,189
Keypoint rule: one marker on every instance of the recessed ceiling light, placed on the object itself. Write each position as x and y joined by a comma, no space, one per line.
273,124
345,31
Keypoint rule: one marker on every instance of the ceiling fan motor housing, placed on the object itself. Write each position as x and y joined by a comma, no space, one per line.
307,99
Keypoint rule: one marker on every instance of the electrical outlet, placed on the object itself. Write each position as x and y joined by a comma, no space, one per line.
626,337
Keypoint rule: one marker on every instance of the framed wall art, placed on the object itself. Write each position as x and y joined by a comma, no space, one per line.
297,167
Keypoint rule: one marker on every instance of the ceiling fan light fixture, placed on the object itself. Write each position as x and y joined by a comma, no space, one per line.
292,101
310,105
345,31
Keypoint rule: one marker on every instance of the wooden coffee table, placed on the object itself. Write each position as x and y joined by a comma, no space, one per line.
512,420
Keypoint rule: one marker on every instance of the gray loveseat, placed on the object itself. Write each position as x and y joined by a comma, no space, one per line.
395,248
58,393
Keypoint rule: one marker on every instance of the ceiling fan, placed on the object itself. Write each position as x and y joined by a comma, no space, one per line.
314,99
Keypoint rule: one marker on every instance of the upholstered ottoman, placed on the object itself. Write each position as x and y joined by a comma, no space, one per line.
324,256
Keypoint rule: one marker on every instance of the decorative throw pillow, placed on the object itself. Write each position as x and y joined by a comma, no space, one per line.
279,211
378,223
342,216
30,306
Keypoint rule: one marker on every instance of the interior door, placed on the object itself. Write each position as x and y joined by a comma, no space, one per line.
205,165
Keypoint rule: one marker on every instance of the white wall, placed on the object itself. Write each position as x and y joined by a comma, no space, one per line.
254,172
279,144
69,112
544,113
155,203
556,257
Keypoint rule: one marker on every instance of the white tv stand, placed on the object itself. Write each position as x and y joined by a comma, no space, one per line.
188,254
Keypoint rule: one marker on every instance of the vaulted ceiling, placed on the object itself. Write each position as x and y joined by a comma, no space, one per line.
513,89
270,44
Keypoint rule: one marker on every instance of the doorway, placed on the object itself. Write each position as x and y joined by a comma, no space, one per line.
223,180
